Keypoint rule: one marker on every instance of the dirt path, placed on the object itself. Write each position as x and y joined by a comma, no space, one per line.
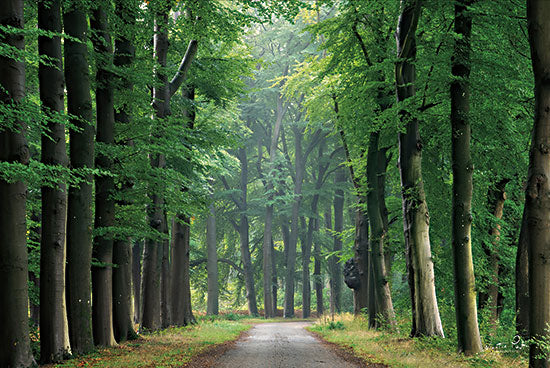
284,345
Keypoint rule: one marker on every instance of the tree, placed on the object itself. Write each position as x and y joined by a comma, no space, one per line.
426,319
538,185
81,152
54,334
15,343
469,341
212,263
102,271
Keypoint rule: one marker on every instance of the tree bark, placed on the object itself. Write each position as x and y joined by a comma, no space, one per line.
426,319
212,263
122,248
336,269
244,237
137,254
54,334
522,280
81,150
15,348
102,274
537,198
181,289
270,300
489,299
294,231
469,341
361,256
378,234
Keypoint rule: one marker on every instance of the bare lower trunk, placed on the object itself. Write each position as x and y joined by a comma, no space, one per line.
336,274
522,280
378,233
15,348
79,213
212,263
54,334
317,276
537,200
426,319
182,314
361,256
165,280
102,274
123,327
469,341
137,253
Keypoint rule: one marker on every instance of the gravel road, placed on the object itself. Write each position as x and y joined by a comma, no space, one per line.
284,345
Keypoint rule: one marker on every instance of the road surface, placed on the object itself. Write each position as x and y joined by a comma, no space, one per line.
281,345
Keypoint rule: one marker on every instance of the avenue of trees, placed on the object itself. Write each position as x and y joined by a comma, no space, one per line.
291,158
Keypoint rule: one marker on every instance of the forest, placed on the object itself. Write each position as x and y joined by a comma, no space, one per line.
161,160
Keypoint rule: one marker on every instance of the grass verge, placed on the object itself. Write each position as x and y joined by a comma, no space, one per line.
172,347
395,349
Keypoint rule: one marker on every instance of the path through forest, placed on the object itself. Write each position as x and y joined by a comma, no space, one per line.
285,344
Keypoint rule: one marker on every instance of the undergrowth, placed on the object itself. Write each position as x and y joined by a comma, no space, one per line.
394,347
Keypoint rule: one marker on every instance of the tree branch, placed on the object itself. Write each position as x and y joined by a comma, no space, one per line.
197,262
185,64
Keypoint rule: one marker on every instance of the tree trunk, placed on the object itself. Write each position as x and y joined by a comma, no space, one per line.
244,237
317,275
122,249
15,348
377,235
426,319
137,253
270,300
496,197
181,289
361,256
165,279
274,285
469,341
522,280
123,327
537,199
212,263
102,274
294,231
336,271
54,334
81,150
153,248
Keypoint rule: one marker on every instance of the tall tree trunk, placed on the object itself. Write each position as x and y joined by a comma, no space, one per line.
274,286
469,341
317,275
426,320
155,213
336,271
270,300
537,199
306,248
212,263
15,348
489,299
181,289
294,231
378,233
122,249
361,257
102,273
522,280
244,237
137,254
81,150
165,279
54,334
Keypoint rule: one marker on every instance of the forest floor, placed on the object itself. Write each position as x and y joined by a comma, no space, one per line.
395,349
233,340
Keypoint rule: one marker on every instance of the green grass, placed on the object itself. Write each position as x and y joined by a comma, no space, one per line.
396,349
168,348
